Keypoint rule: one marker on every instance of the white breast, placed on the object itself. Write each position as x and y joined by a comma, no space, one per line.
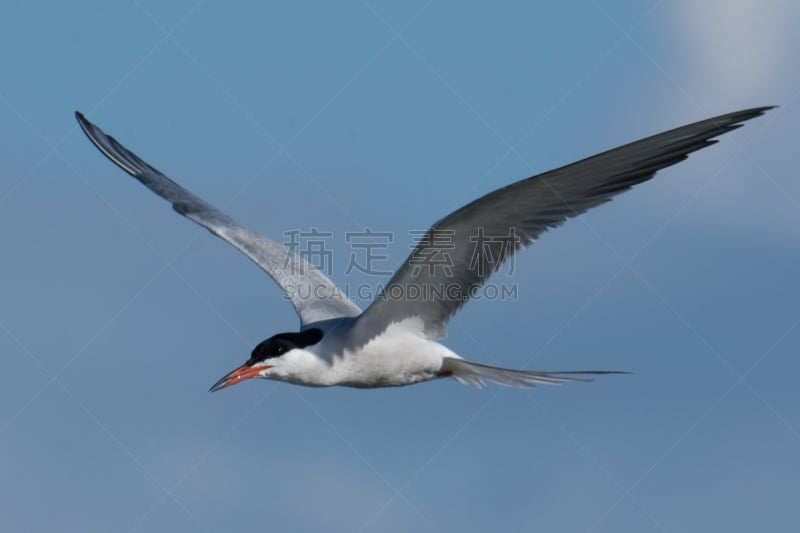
398,356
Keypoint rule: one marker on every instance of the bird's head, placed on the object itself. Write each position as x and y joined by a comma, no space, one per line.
270,356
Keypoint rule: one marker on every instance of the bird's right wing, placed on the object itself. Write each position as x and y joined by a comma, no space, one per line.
462,250
312,294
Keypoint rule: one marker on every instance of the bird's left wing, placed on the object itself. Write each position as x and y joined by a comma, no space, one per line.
458,254
312,294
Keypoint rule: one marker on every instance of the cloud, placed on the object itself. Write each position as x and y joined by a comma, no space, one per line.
741,44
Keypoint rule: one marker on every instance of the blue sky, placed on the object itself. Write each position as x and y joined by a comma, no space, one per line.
118,315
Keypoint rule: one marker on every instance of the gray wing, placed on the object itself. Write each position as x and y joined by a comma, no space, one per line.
458,254
313,295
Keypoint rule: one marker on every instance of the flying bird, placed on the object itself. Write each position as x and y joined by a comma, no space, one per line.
394,342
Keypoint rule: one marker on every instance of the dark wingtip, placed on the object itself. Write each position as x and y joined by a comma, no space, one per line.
731,121
84,123
757,110
763,109
747,114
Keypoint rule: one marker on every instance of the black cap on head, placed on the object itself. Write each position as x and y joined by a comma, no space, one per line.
281,343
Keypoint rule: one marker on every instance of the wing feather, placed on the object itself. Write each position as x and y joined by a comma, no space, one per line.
476,239
312,294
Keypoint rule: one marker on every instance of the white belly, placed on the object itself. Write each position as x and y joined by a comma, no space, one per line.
398,356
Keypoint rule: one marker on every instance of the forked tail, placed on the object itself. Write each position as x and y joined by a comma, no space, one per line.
474,374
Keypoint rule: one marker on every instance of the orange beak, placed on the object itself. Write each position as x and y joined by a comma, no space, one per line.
237,376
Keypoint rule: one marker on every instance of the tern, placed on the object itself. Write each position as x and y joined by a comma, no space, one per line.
394,342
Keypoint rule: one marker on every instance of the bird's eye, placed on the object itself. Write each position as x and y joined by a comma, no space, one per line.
281,349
